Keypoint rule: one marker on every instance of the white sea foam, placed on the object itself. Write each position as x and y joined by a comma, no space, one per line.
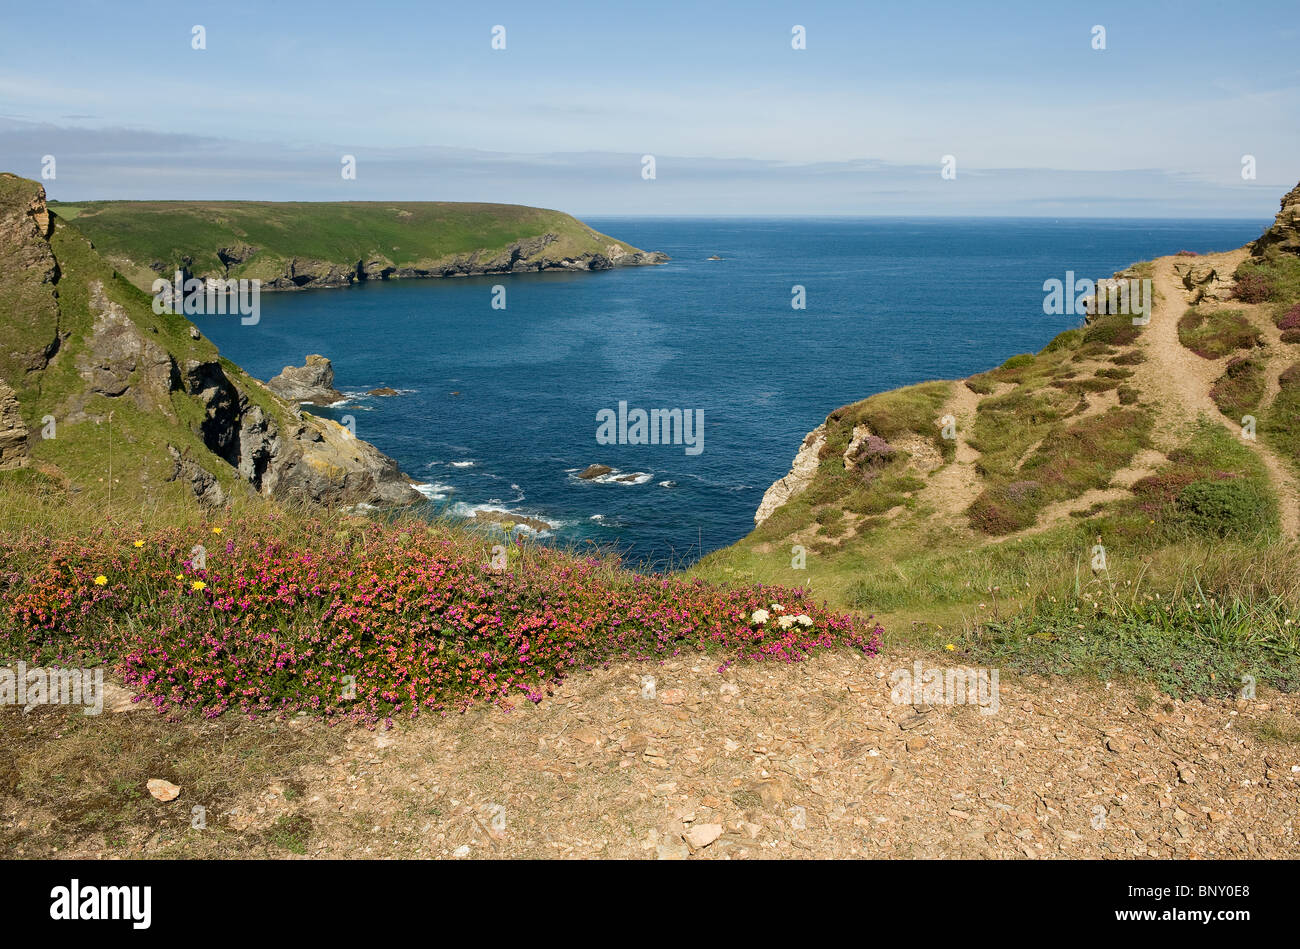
469,511
434,490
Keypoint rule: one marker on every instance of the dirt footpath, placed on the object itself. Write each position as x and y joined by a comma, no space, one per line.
762,761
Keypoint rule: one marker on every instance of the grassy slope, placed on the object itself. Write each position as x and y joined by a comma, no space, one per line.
1051,431
414,233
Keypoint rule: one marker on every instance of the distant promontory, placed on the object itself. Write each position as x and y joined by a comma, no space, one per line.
303,245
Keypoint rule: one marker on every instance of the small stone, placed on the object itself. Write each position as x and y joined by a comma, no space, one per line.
917,743
701,835
672,850
634,742
163,790
587,735
672,696
461,851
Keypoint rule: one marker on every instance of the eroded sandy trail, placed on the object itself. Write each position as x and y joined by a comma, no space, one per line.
954,487
1178,383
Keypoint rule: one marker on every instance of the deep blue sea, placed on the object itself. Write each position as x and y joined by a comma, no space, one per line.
498,406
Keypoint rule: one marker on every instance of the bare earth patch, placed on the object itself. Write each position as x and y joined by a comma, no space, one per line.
762,761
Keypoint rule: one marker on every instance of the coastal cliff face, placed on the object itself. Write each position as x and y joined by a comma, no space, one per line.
118,392
529,256
802,472
337,244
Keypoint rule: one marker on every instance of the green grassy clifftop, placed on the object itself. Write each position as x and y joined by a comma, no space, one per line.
294,245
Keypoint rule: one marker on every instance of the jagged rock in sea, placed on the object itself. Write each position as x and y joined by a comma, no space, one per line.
311,382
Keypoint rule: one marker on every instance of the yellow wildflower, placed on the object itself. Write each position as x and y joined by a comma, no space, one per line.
100,580
198,585
139,543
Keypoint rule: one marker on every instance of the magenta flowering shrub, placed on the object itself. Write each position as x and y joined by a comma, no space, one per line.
1253,288
371,623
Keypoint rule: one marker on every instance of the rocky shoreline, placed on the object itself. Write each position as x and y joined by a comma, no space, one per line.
528,256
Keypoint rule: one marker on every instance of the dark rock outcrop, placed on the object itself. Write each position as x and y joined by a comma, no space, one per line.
203,483
28,275
119,358
594,471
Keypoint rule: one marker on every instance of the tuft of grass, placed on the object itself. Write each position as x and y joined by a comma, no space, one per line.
1195,641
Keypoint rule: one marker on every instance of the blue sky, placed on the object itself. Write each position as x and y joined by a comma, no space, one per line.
739,123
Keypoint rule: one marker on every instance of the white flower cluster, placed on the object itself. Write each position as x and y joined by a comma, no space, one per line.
785,620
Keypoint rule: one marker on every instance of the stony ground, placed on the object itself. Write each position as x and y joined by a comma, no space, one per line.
762,761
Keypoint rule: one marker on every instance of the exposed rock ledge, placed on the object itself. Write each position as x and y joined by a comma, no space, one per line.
1285,232
801,475
527,256
13,431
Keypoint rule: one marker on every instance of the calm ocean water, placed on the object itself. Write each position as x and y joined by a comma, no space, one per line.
498,407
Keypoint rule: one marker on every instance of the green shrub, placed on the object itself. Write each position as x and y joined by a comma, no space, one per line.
998,512
1213,334
1240,388
1224,507
1067,340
